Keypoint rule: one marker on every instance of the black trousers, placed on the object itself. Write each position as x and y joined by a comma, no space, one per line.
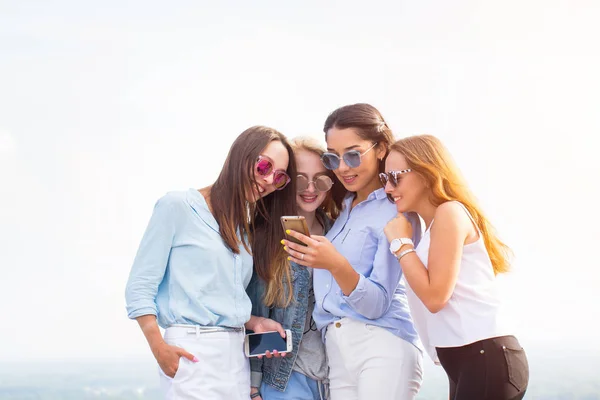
491,369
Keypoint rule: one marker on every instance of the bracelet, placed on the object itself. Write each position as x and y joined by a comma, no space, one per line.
405,252
255,395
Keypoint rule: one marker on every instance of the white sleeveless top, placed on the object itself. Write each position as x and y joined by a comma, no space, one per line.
472,313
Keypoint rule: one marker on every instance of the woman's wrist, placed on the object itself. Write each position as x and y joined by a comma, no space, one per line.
338,265
156,346
254,395
253,321
403,248
403,254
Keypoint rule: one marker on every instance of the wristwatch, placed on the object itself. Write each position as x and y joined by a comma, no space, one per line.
397,244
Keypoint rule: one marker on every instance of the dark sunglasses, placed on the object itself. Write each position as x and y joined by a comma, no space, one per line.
322,184
264,168
392,177
351,158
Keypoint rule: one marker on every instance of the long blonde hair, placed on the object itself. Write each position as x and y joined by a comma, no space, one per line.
427,156
279,291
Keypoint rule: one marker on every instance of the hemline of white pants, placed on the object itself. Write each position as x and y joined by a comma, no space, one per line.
368,362
221,373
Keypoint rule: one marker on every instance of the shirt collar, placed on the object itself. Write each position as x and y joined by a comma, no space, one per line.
196,200
374,195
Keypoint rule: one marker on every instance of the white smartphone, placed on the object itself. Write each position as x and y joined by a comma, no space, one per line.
257,344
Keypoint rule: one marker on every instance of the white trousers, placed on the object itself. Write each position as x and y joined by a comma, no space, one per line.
368,362
222,372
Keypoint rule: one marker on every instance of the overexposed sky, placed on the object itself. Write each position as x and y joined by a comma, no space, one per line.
106,106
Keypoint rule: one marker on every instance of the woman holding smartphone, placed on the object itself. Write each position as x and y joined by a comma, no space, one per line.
195,261
302,374
452,273
361,306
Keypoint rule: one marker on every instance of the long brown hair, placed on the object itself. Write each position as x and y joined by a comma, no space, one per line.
258,224
312,145
369,125
427,156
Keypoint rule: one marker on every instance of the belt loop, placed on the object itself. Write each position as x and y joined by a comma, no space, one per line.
197,331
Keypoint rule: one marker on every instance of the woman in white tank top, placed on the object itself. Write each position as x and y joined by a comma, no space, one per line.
451,275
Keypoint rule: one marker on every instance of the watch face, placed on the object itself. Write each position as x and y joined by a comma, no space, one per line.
395,245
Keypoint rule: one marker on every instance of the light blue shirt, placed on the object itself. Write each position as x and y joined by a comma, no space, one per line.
380,297
183,272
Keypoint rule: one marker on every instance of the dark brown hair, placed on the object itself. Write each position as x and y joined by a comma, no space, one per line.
258,224
369,125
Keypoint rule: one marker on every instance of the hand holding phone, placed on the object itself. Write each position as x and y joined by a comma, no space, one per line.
257,344
295,223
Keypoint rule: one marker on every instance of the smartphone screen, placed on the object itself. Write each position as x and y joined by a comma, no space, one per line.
259,343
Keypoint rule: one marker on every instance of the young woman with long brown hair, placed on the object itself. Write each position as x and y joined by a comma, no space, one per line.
452,273
196,259
361,306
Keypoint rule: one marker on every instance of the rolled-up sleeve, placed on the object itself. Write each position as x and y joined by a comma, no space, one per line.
151,260
373,294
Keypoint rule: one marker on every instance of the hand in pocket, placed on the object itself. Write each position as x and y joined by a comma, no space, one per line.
168,357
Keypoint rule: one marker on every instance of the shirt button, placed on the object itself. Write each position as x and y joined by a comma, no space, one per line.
482,351
338,325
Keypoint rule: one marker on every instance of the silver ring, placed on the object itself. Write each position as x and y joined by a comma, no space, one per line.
302,257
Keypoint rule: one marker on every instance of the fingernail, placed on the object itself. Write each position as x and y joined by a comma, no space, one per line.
285,248
289,259
287,231
195,359
282,241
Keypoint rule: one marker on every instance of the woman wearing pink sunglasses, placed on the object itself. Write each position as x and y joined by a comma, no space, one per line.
195,262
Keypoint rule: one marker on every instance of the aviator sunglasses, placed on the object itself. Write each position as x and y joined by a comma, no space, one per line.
392,177
322,183
264,168
351,158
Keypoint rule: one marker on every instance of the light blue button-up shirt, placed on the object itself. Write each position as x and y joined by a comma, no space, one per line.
380,297
183,272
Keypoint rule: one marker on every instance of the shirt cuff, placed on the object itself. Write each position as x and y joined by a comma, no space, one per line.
255,379
134,312
358,293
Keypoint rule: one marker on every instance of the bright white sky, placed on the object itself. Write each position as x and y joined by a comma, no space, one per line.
106,106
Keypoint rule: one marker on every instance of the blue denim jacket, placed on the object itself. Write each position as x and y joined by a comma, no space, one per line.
276,371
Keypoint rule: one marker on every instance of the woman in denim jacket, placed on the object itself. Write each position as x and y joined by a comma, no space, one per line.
302,374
